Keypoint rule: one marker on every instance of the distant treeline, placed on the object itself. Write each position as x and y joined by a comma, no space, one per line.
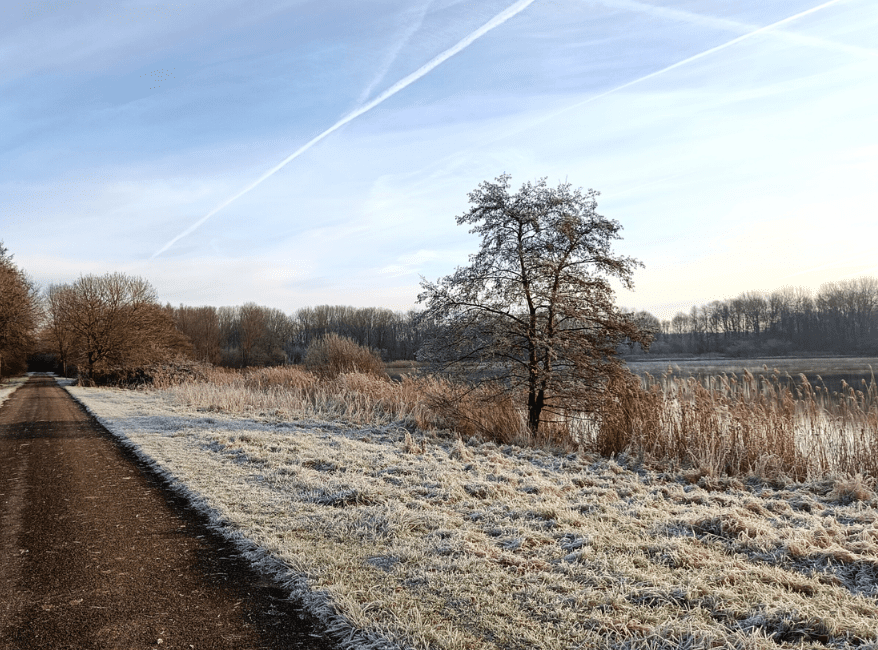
842,318
110,326
251,335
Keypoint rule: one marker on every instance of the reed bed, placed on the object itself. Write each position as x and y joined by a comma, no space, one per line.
768,425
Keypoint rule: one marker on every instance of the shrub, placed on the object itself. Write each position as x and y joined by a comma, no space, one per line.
332,355
156,375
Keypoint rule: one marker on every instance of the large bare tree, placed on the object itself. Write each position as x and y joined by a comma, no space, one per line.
19,313
534,311
115,323
202,326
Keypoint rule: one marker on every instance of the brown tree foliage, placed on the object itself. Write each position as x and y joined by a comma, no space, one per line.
56,336
19,314
202,326
533,315
114,324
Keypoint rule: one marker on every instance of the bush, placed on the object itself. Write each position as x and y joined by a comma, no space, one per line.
332,355
154,375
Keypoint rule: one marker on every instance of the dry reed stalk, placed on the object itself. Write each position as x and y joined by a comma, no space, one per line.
744,425
724,425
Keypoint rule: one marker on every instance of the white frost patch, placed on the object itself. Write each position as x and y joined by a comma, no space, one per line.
10,386
410,540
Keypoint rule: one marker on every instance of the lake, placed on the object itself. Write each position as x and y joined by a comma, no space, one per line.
832,370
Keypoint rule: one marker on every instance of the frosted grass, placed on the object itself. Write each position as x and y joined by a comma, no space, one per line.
405,539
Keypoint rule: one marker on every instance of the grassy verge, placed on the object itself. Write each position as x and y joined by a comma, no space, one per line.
406,537
10,385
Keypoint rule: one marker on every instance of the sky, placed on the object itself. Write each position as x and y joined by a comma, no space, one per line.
306,152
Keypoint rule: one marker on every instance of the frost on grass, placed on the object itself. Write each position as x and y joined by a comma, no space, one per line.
400,539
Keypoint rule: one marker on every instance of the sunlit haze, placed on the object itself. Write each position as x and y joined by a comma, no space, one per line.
295,153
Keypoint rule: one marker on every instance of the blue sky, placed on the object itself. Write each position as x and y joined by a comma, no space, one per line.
735,141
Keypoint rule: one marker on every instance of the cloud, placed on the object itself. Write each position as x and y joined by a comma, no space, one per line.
411,29
496,21
683,62
411,263
747,29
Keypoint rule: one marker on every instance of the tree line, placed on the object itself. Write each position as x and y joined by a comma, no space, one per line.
253,335
840,318
105,327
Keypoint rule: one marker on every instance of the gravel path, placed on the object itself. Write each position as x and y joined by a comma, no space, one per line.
95,552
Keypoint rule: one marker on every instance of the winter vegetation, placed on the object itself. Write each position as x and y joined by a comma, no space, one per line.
404,538
487,472
19,316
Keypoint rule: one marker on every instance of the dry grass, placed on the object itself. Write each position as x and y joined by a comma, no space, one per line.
406,539
295,393
415,402
331,355
722,426
744,425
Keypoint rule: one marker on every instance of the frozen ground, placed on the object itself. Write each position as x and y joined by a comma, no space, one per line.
401,540
9,385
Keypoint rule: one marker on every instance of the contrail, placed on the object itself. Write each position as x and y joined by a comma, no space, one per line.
449,160
683,62
395,50
496,21
733,25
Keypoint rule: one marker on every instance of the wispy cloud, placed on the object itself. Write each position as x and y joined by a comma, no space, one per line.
748,29
752,31
392,54
410,263
496,21
686,61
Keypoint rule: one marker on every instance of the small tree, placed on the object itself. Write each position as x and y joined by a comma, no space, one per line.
534,310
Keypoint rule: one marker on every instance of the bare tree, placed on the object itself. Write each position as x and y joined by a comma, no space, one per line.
55,330
535,307
202,326
19,314
252,332
116,322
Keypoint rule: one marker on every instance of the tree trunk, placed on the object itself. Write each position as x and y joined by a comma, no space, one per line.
535,402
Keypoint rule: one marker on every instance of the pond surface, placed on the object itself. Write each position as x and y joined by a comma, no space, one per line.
832,370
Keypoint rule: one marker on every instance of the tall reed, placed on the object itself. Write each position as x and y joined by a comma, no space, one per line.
729,425
734,425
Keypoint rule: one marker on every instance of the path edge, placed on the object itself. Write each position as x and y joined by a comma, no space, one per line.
318,604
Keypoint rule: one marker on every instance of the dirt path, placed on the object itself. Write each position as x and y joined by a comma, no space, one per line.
96,553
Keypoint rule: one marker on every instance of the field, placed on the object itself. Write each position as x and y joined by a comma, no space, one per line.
402,537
